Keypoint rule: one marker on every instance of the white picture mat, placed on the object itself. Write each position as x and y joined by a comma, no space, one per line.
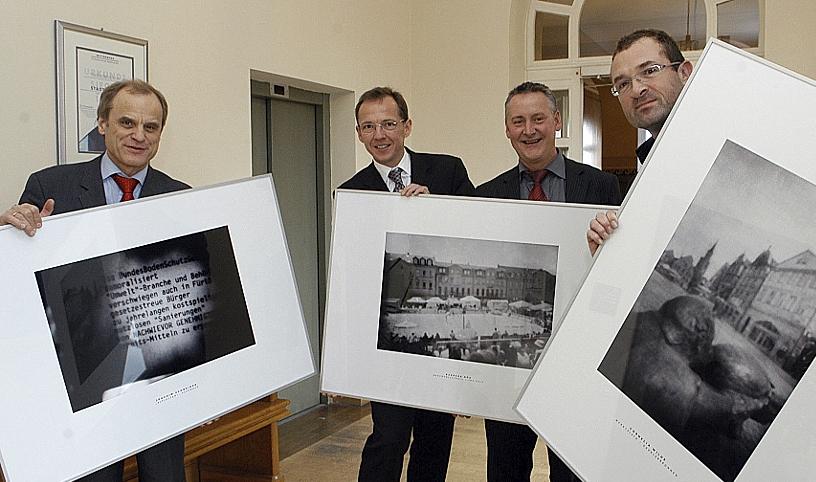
351,363
36,420
733,96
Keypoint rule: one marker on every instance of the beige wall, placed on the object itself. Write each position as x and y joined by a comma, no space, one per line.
454,60
460,75
200,57
790,34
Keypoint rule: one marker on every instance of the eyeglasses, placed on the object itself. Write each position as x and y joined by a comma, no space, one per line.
623,85
371,127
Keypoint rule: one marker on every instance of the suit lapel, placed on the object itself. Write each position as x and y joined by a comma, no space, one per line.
92,193
420,170
150,186
574,185
372,180
510,184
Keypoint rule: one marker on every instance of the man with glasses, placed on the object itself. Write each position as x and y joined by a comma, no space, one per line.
543,173
648,72
382,126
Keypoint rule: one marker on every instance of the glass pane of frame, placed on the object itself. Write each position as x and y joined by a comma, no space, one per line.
562,102
738,23
603,23
551,36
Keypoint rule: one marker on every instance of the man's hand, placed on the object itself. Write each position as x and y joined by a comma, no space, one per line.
414,190
26,217
600,229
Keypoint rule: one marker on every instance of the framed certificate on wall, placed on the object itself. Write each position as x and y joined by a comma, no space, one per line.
88,60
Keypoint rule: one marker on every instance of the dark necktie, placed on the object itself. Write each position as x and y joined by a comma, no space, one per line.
396,176
536,193
127,185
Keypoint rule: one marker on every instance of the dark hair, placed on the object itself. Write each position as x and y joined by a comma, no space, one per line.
529,87
664,40
378,93
134,86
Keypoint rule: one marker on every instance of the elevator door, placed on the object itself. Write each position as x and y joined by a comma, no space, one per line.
288,142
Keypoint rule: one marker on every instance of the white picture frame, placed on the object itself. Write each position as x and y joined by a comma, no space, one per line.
472,233
712,164
251,272
87,61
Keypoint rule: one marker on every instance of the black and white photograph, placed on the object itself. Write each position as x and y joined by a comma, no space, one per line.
441,299
118,340
725,327
137,316
472,300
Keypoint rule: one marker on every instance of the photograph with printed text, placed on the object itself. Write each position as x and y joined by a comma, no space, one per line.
133,317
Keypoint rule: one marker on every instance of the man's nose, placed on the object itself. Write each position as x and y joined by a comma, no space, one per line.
639,88
138,133
379,130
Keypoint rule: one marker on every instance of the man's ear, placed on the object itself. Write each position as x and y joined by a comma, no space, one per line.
684,70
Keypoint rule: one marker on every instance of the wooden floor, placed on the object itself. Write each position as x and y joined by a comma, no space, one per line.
325,443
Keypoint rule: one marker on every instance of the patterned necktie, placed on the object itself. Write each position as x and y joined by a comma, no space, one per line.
536,193
127,185
396,176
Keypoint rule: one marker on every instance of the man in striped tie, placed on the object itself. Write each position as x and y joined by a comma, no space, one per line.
543,173
382,126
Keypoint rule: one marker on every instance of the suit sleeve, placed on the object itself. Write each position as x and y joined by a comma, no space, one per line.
614,193
33,192
461,182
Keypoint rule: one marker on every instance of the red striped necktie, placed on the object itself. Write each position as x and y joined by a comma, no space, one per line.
127,185
536,193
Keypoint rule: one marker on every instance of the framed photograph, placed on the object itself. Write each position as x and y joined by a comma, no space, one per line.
445,302
696,364
131,323
88,60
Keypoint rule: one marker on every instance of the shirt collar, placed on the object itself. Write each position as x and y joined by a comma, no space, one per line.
557,166
108,169
404,164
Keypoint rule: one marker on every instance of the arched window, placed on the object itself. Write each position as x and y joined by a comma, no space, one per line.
569,48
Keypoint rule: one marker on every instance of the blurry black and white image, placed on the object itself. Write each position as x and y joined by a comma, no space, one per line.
725,327
467,299
133,317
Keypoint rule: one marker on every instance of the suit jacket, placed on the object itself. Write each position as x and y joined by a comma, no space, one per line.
442,174
79,186
582,184
508,443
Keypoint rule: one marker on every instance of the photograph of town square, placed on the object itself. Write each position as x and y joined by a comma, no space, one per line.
467,299
725,327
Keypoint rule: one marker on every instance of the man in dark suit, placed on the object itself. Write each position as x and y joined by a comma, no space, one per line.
648,73
382,126
531,120
131,116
